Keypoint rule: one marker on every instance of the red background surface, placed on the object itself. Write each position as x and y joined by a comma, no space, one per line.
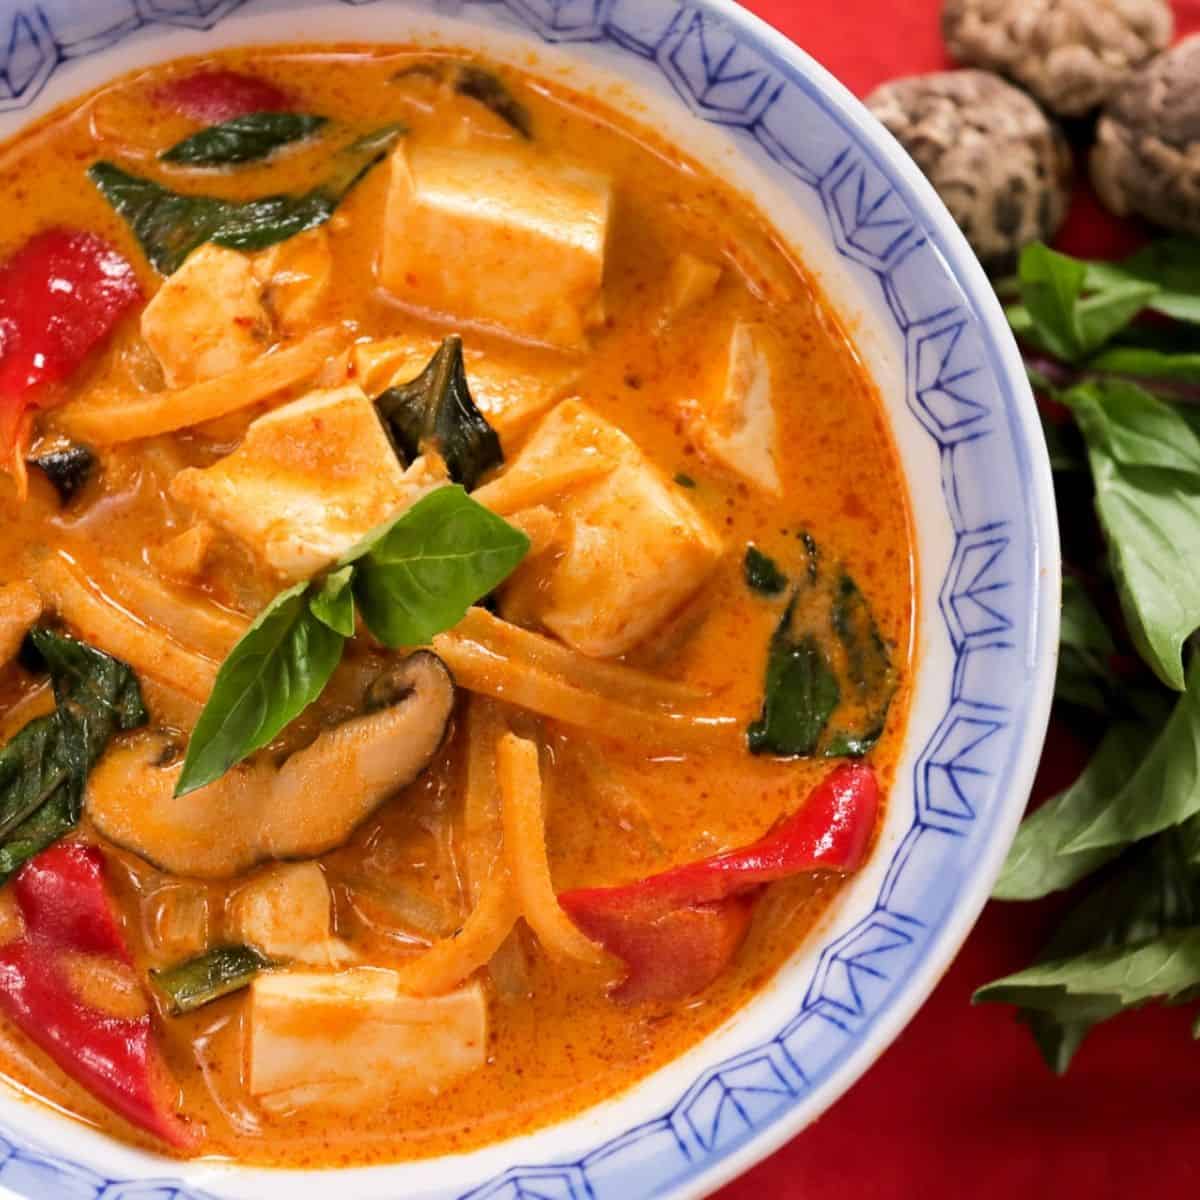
961,1106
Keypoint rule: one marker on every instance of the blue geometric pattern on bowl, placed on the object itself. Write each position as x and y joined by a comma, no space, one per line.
957,392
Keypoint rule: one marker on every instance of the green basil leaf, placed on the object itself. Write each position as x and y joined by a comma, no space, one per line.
800,695
1171,264
1039,862
247,138
1163,791
219,972
436,411
419,575
1145,462
1142,363
762,573
332,603
1084,676
169,225
278,668
44,768
492,92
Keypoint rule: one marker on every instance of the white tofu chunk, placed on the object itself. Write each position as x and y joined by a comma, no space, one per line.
510,398
207,318
353,1038
692,281
632,549
295,276
737,424
308,481
286,911
499,236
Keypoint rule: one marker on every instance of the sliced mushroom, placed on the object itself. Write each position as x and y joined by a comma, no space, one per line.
258,810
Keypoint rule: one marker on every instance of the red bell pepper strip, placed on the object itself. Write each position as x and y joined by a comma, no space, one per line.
677,931
67,916
215,96
60,296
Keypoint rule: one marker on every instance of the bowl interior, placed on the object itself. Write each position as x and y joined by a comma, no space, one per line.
924,319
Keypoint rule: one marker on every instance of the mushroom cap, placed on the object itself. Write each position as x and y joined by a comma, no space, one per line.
1071,54
1147,154
1001,167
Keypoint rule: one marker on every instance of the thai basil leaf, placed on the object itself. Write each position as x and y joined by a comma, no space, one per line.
1145,462
1067,320
332,601
1153,891
1039,862
762,573
1171,264
492,92
1163,791
419,576
279,666
190,985
870,678
44,768
169,225
436,410
800,695
247,138
1146,364
1084,676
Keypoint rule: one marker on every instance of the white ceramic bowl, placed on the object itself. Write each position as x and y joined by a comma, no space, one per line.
750,104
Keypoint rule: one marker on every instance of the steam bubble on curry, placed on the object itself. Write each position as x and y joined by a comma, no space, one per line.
455,605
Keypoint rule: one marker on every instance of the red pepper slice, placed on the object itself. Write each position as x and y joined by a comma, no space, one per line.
215,96
677,931
60,296
67,914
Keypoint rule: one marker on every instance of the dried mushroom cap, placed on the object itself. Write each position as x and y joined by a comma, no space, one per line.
1147,154
1071,54
1003,170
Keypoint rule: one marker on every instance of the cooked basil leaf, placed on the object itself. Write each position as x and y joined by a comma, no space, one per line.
1038,862
1163,791
800,695
68,469
1084,676
44,768
436,411
242,139
1145,462
332,602
279,666
190,985
419,576
169,225
492,92
762,573
1067,318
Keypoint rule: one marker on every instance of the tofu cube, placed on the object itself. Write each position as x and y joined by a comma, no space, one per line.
287,912
632,550
308,481
511,398
691,282
737,424
350,1039
498,236
295,276
208,318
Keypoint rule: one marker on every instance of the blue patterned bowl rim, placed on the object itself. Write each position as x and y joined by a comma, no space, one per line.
996,603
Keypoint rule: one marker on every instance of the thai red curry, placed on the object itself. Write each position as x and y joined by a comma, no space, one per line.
455,604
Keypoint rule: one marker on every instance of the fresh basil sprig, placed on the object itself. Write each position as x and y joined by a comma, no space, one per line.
243,139
170,225
1127,832
410,579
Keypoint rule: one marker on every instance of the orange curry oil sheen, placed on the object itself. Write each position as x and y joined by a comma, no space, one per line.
557,1042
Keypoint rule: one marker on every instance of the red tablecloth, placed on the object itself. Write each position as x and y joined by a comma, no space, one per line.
961,1106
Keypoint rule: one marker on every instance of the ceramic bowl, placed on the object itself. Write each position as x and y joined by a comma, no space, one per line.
754,107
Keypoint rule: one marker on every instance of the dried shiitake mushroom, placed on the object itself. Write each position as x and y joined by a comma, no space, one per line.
1071,54
1002,168
1147,154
